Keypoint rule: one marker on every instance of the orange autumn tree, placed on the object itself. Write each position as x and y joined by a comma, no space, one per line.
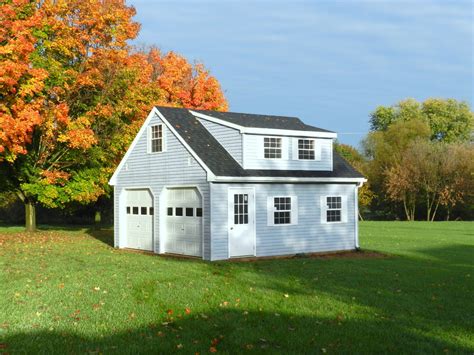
73,95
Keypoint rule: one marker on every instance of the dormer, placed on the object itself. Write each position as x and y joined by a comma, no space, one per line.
262,142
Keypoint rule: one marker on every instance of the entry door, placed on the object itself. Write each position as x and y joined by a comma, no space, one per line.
241,222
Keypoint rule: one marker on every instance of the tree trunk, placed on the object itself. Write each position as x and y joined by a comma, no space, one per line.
30,216
435,211
405,207
97,218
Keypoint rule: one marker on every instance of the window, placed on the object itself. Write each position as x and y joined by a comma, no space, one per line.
189,211
334,209
151,211
128,209
178,211
306,149
272,148
170,211
156,138
199,212
241,208
143,210
135,210
282,210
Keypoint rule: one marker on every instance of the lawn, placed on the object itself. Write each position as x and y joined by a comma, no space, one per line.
69,291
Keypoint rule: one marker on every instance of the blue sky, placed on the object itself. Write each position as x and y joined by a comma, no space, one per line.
328,62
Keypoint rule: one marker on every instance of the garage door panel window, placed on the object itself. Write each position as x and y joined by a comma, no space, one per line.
151,211
135,210
128,209
143,210
189,212
178,211
198,212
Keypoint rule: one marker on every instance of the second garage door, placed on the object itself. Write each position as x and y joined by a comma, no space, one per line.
184,222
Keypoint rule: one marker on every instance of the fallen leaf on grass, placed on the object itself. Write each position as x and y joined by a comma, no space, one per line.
187,310
213,349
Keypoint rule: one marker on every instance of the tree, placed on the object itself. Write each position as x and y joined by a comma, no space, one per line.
449,120
73,95
386,152
457,176
435,173
358,161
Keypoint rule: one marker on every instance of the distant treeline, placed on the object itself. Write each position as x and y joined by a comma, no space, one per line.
419,162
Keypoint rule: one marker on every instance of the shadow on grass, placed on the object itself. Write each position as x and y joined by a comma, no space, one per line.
436,290
102,234
236,331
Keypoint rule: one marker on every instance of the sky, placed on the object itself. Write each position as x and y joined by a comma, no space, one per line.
330,63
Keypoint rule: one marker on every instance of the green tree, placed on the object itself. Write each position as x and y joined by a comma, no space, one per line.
449,120
385,151
358,161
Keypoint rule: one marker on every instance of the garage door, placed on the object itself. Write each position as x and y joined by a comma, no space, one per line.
139,209
184,222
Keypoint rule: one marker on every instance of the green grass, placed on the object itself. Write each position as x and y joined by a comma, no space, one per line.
68,291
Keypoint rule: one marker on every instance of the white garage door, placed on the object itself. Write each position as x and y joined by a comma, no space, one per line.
184,221
139,207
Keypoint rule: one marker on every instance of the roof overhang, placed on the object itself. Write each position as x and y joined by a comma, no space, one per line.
265,131
283,179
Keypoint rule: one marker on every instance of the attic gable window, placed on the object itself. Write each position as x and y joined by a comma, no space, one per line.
156,138
272,148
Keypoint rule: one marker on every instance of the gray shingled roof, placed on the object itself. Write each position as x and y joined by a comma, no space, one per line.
263,121
221,163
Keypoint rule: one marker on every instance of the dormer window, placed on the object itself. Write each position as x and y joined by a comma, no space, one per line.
272,148
306,149
156,138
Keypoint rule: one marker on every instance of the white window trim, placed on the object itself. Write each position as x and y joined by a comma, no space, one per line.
282,147
271,209
317,149
163,138
324,209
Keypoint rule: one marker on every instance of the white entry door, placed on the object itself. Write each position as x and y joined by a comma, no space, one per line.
241,222
139,210
183,221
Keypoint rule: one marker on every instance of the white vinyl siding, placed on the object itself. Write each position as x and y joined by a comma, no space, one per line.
308,235
170,168
254,154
